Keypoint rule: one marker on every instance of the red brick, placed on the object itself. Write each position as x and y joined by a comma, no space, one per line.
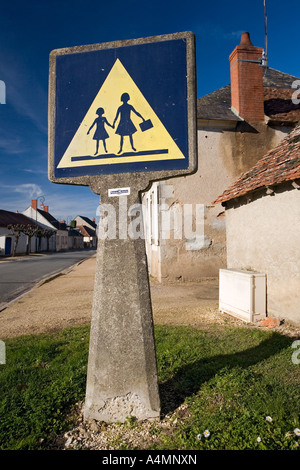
270,322
247,95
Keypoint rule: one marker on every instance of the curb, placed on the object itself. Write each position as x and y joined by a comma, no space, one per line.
44,280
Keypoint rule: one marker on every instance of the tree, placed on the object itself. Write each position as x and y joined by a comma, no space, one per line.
17,230
30,231
43,232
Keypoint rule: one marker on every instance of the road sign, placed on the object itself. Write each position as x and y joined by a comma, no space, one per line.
123,107
121,115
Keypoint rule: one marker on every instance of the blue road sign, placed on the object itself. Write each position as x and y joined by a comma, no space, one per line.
121,109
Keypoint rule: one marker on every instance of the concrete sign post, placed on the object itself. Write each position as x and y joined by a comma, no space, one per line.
122,375
122,115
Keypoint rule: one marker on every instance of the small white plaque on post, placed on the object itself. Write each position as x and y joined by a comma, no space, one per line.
118,192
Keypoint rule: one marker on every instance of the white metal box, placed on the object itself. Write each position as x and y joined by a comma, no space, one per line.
242,294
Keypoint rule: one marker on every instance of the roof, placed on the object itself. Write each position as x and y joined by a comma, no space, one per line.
59,225
279,165
73,232
14,218
87,231
277,89
277,79
88,221
47,216
279,105
217,105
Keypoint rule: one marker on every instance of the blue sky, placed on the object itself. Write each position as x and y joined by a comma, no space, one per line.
30,29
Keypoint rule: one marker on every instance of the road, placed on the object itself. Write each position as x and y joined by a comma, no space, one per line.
21,274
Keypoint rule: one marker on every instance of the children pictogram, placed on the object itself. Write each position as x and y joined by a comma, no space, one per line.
100,133
126,126
138,136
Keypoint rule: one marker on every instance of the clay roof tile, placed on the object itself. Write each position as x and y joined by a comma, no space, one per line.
279,165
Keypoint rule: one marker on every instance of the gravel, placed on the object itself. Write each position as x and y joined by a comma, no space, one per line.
94,435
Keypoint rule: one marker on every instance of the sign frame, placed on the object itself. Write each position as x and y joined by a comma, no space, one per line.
123,178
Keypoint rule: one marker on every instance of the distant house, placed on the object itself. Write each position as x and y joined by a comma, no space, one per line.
45,220
46,233
16,233
263,225
75,239
236,126
88,229
85,222
62,235
89,236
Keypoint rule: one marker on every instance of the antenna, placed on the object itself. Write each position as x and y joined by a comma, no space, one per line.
265,55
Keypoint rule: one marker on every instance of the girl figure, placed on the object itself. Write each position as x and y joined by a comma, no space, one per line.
126,126
100,132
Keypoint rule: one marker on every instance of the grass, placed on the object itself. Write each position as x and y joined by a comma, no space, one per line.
42,379
230,379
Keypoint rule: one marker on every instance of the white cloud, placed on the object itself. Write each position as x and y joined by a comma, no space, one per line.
65,201
28,190
71,205
36,171
17,197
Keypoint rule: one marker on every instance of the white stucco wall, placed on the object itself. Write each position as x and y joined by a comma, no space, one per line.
264,235
62,240
37,217
22,242
224,153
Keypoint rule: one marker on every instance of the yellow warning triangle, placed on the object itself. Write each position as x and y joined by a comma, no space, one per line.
152,144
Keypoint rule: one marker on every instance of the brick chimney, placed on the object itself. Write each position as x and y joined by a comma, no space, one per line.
246,74
46,208
34,204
